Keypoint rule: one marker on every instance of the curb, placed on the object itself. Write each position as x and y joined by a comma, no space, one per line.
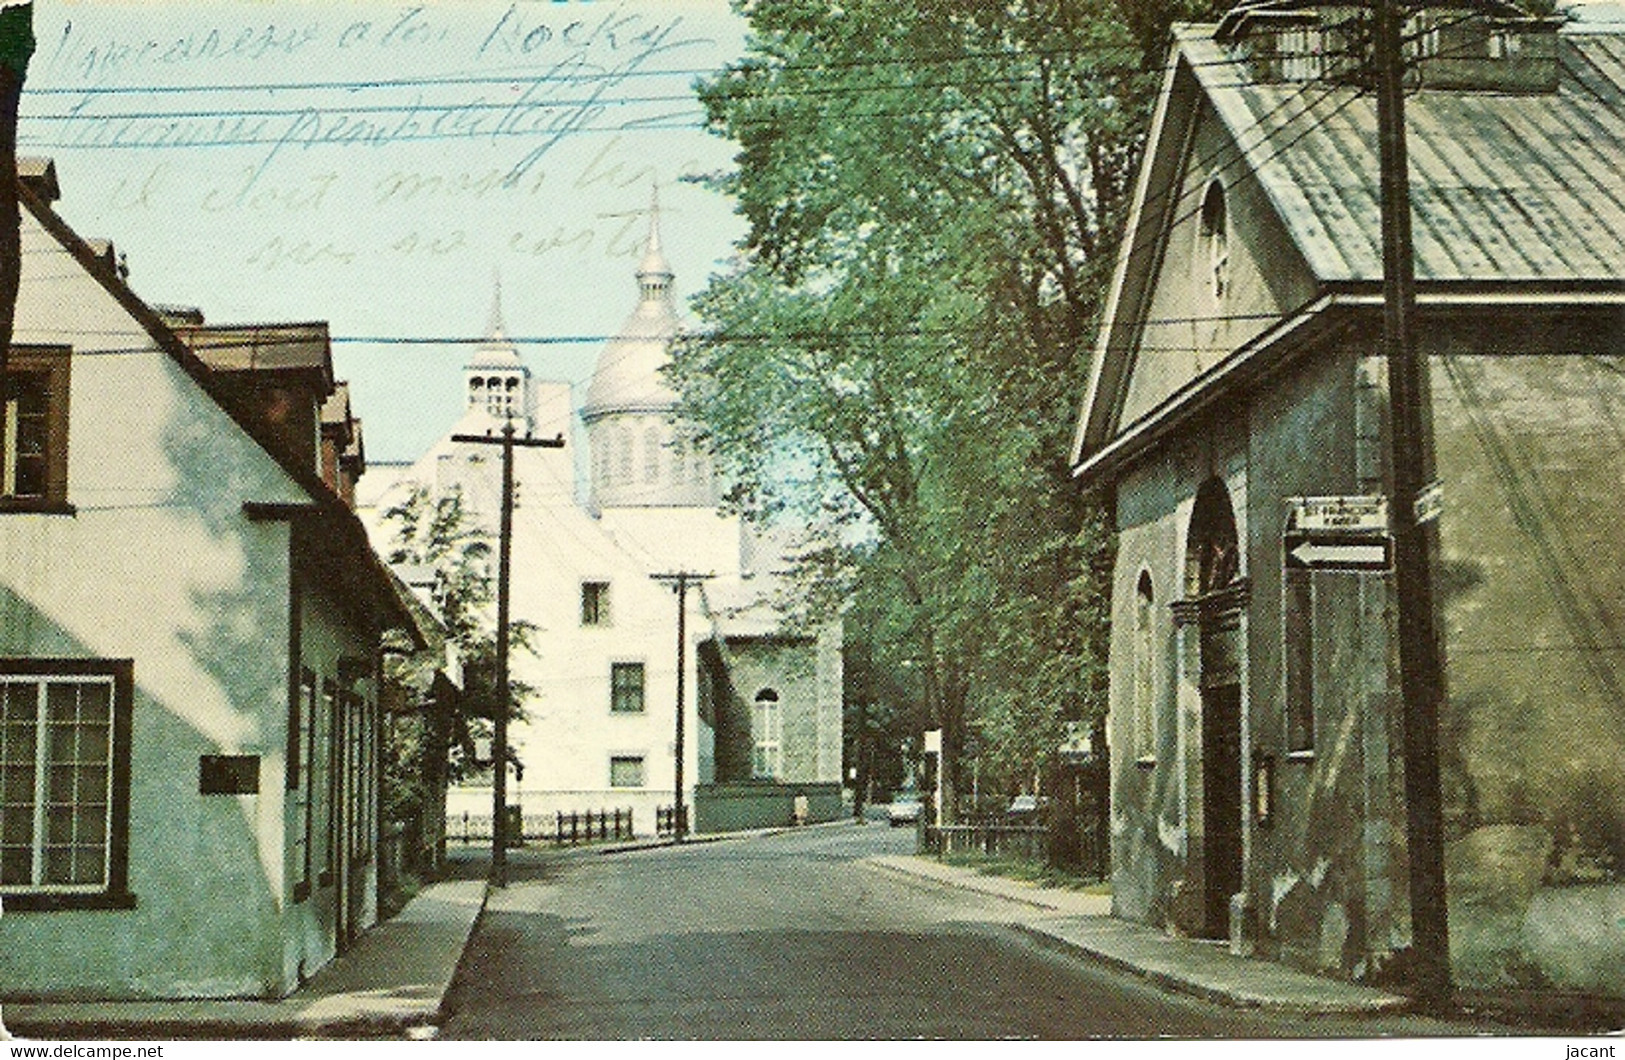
1050,933
1233,999
315,1010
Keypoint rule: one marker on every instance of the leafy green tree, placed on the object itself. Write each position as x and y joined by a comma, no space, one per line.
438,533
933,190
16,48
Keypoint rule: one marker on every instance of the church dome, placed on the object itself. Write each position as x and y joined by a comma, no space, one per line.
629,376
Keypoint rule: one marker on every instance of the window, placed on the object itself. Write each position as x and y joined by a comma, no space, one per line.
34,462
651,455
623,455
324,773
1298,620
626,771
595,603
679,462
1144,706
301,776
626,688
1302,54
64,783
1216,239
768,728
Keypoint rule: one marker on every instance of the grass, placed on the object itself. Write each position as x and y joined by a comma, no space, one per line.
1028,869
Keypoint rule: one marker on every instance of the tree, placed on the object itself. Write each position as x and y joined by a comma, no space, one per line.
16,47
932,189
437,532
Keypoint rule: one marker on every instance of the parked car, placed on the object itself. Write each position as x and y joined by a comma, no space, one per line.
1025,809
905,808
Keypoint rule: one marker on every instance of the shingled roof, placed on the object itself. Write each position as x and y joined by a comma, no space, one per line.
1516,140
1504,186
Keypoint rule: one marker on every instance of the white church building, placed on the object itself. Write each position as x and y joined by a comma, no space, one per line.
762,700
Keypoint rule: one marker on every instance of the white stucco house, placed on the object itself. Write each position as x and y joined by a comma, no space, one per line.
762,709
190,624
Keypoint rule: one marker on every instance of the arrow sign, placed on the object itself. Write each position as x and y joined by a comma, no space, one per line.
1334,554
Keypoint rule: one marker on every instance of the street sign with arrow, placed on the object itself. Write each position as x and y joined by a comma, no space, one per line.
1340,552
1338,534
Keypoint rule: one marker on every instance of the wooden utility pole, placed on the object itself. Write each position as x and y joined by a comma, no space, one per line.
499,749
1415,544
679,581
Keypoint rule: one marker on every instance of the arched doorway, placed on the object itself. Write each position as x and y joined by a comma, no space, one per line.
1213,582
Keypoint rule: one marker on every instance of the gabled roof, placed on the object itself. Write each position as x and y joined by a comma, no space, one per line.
1511,191
1504,187
347,546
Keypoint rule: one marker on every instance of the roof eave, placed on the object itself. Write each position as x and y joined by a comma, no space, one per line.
329,503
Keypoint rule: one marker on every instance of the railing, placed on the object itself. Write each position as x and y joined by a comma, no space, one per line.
570,829
561,829
1029,841
666,820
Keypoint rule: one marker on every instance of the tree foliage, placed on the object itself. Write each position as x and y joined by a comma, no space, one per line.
16,48
437,533
933,190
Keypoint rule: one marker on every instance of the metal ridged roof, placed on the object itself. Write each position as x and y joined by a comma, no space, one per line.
1504,187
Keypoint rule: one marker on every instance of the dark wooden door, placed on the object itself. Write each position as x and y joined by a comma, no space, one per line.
1221,803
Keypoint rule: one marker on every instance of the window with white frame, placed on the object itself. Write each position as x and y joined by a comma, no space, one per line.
767,726
64,782
651,455
301,773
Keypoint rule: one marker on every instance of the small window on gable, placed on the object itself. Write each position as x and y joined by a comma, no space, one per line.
34,457
1215,249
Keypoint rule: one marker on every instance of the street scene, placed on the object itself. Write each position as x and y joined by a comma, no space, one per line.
739,520
807,935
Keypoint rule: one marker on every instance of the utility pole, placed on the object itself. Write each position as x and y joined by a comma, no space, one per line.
679,581
499,750
1415,543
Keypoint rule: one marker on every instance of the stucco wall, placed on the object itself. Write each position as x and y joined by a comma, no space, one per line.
158,565
1530,446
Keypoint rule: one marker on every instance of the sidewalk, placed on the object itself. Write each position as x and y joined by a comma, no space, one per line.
393,979
1081,924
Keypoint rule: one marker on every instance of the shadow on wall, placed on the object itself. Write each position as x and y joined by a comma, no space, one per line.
201,897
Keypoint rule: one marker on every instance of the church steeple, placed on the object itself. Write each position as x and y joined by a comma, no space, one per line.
654,275
496,381
494,330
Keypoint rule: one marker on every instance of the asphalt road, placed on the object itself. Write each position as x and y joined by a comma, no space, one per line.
790,937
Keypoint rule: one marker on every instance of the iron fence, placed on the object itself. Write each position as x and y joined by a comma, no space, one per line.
559,828
666,820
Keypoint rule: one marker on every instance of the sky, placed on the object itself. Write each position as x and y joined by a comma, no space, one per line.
380,164
383,165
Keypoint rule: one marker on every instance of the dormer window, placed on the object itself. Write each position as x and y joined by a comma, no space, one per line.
1214,249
